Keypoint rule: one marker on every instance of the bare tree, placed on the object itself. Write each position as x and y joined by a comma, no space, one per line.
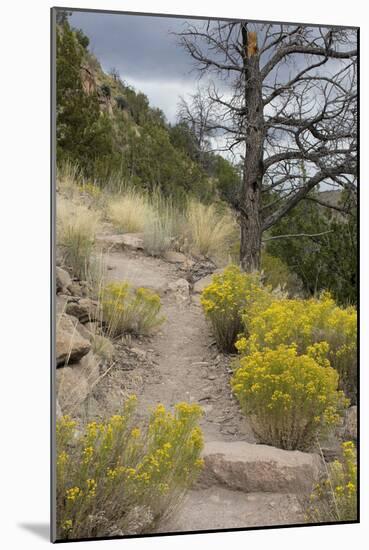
114,73
197,114
287,105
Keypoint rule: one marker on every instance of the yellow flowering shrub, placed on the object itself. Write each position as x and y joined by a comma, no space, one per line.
303,323
335,497
226,299
126,309
289,398
108,470
91,189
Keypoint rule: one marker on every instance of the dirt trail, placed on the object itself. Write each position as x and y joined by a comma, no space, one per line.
181,363
188,366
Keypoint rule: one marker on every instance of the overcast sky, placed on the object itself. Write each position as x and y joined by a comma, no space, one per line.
145,53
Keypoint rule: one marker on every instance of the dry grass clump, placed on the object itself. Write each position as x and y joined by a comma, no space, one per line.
119,478
130,211
77,226
157,235
102,347
335,497
68,179
209,230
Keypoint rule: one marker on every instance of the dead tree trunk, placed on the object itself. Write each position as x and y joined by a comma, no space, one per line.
250,198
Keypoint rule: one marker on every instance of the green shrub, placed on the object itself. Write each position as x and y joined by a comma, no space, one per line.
226,299
305,322
290,399
277,274
117,478
106,90
125,309
335,497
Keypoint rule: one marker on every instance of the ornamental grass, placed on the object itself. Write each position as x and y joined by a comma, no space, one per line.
335,497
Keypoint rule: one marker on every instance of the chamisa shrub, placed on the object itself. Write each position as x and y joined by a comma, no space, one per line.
290,399
305,322
335,497
226,299
125,309
117,478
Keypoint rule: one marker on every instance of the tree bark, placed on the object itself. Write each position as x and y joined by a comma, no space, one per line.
250,198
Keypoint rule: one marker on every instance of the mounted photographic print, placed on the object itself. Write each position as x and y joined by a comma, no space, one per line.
204,262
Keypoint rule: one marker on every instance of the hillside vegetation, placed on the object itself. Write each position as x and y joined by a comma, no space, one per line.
120,142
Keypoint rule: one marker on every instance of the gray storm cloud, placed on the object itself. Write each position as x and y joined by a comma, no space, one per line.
144,51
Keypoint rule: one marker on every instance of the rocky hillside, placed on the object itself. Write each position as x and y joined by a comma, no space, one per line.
115,136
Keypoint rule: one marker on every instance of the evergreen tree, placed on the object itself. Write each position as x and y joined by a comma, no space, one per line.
83,134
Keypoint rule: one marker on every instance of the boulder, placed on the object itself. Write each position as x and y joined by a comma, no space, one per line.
204,282
133,241
175,257
63,280
84,309
84,332
72,388
70,345
258,468
74,383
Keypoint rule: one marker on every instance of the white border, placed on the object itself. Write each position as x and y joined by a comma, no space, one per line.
24,216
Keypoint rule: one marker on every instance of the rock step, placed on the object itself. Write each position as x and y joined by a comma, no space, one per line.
223,508
133,241
253,468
